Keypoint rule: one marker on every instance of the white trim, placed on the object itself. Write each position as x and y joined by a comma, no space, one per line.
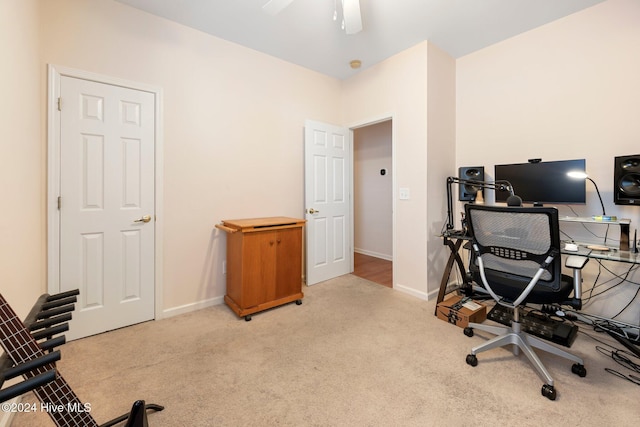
418,294
372,121
373,254
55,72
195,306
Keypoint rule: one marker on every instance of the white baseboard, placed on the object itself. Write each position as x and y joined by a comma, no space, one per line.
188,308
412,292
373,254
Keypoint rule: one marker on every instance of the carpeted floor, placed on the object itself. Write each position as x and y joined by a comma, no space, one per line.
353,354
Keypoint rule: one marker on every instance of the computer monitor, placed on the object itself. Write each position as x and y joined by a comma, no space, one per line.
543,182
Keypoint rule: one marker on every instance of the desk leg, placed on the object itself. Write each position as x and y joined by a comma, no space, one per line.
624,237
453,257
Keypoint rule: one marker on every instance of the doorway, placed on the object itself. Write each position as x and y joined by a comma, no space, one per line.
373,202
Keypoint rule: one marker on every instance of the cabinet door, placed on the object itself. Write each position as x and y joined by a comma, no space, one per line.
289,262
259,269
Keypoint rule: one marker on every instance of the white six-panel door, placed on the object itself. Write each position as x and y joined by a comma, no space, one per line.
327,201
107,204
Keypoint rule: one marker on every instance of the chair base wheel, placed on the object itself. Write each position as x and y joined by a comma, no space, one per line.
298,302
247,318
579,370
549,392
472,360
468,331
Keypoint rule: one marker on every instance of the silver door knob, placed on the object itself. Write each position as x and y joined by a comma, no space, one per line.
312,211
145,218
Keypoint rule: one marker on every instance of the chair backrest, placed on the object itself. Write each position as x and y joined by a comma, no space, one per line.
513,243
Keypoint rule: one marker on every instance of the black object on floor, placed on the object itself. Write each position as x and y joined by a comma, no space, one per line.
538,324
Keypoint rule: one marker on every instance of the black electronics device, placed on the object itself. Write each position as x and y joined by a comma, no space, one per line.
538,324
467,192
626,180
543,182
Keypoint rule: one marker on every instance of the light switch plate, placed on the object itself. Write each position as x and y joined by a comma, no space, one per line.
404,194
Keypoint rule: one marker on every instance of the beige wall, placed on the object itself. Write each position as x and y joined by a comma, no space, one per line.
565,90
233,126
569,89
22,158
441,135
233,121
398,88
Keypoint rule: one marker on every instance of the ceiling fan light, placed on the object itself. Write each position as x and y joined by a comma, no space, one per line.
352,17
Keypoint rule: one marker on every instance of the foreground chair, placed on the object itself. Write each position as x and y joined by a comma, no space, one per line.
516,258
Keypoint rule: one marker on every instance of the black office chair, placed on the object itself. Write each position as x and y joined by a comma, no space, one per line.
516,258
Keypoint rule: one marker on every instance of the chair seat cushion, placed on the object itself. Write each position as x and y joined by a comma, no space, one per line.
539,295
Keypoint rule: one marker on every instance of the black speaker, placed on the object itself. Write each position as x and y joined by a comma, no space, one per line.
626,180
467,192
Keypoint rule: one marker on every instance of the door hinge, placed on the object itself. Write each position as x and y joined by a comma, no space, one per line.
59,202
59,104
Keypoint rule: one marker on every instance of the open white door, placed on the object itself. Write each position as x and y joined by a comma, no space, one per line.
327,201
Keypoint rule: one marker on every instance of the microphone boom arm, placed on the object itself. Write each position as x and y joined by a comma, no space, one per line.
501,185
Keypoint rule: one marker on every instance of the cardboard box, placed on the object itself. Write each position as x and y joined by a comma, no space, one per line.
460,315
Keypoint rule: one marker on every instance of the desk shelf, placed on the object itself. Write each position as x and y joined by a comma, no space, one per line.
623,223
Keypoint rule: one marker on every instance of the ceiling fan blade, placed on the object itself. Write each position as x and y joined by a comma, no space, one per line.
273,7
352,16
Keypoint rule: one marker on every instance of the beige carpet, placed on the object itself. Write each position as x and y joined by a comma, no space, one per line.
353,354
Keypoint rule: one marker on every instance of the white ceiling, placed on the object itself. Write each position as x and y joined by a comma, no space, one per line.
305,34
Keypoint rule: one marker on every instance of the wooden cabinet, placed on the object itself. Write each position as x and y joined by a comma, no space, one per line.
264,263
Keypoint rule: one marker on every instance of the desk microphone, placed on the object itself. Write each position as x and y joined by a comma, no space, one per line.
514,200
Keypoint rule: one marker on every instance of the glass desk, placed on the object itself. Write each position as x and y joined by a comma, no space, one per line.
456,240
612,254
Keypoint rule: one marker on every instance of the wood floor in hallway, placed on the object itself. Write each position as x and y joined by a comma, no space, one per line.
377,270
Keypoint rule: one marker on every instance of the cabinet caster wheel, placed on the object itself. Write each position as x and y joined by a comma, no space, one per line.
549,392
468,331
247,318
579,370
298,302
472,360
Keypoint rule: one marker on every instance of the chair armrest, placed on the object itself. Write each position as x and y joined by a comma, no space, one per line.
574,261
